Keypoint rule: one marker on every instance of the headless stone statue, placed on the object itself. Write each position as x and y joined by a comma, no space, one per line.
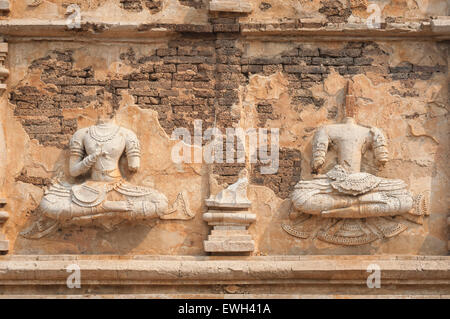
347,195
105,198
344,191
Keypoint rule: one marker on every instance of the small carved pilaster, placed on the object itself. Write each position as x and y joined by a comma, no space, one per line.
448,234
4,72
229,233
441,24
229,214
4,244
236,6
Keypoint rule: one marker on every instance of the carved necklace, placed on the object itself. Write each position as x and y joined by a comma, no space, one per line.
102,138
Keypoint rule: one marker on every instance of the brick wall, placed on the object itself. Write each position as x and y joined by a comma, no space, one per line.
155,6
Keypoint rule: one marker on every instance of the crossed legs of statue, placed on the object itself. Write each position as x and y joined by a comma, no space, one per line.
132,209
373,204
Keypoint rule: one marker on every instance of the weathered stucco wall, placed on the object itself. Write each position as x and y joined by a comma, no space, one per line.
177,63
190,11
401,87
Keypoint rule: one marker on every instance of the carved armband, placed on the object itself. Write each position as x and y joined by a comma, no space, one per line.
133,151
76,148
379,145
133,148
82,162
320,145
320,151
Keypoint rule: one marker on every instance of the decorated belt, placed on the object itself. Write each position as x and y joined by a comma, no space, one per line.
114,173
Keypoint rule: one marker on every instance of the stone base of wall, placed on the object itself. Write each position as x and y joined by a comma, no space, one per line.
225,277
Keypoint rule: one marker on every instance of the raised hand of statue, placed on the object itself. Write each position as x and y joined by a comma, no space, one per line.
99,152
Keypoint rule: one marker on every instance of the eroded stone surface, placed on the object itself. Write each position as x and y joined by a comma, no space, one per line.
4,243
272,64
229,81
196,11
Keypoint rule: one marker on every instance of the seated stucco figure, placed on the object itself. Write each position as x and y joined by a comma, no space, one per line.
104,198
344,192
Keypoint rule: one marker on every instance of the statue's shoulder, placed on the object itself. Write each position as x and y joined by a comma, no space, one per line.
76,141
80,133
323,130
378,137
129,135
127,132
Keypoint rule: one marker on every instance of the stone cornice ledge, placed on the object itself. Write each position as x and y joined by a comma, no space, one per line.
184,269
411,275
435,29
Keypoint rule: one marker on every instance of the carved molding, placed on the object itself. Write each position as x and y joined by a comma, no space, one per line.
178,276
48,29
4,243
4,72
441,24
237,6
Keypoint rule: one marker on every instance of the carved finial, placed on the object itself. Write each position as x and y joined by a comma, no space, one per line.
349,109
